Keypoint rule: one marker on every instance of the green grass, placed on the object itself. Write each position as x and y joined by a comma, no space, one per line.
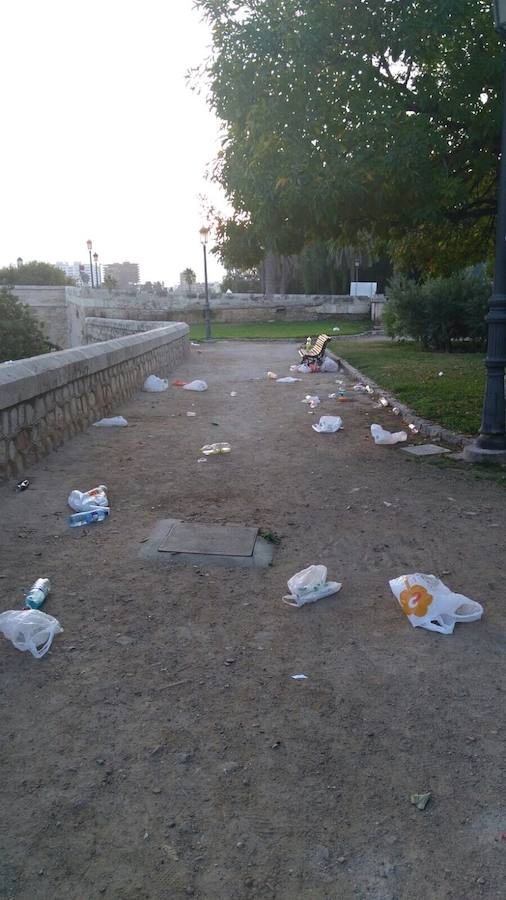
280,330
453,400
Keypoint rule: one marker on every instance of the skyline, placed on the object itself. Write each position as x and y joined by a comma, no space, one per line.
106,141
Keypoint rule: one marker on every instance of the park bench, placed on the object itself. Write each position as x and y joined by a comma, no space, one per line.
315,353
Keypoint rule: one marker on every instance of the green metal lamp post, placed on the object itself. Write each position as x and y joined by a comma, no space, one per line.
491,443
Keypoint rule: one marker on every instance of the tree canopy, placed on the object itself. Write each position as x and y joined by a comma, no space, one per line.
20,335
33,272
352,117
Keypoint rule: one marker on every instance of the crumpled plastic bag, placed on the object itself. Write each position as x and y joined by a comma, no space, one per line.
328,424
83,501
195,386
428,603
312,400
381,436
214,449
120,421
287,380
153,384
329,365
303,368
272,376
309,585
29,629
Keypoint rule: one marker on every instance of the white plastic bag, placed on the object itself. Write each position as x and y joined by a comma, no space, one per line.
428,603
29,629
303,368
106,423
153,384
84,501
215,449
312,400
328,424
329,365
195,386
287,380
309,585
381,436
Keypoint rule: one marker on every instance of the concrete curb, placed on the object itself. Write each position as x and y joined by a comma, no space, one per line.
434,432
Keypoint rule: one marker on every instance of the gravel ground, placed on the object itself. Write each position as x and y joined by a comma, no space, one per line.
162,750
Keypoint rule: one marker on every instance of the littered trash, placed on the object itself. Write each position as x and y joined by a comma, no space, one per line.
191,415
420,800
153,384
23,485
82,501
194,344
195,386
309,585
328,424
118,421
289,379
233,393
300,677
178,383
37,595
428,603
332,396
360,388
202,459
383,401
382,436
440,374
29,629
396,411
329,365
336,329
302,368
413,428
215,449
312,401
272,375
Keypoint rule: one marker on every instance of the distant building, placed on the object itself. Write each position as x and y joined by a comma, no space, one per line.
80,272
125,274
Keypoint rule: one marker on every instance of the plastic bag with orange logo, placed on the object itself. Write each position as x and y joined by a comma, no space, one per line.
428,603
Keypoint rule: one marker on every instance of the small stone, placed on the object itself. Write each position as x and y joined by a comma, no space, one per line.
41,871
481,880
230,767
184,757
99,761
156,790
341,859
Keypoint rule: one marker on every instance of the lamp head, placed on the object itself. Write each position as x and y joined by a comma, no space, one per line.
89,245
204,234
95,256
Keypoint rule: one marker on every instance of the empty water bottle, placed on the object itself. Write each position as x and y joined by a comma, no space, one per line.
89,517
38,592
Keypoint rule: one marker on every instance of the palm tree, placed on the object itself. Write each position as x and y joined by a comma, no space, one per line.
189,277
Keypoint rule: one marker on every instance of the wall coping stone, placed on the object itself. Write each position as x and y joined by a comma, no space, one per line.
27,378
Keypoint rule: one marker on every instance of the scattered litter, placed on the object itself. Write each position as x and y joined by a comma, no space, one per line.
414,429
233,393
332,396
381,436
202,459
336,329
29,629
299,677
214,449
303,368
386,503
37,594
153,384
360,388
81,502
313,401
120,421
272,375
428,603
194,344
178,383
440,374
309,585
88,517
195,386
287,380
329,365
23,485
420,800
270,536
383,401
328,424
369,389
191,415
396,411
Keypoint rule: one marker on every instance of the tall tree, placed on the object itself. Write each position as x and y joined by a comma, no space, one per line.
20,335
345,116
189,278
33,272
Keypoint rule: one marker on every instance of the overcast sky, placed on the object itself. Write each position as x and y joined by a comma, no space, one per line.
102,138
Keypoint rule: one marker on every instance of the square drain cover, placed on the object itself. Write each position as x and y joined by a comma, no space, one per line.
213,540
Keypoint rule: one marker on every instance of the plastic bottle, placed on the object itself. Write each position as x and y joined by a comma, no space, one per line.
38,592
89,517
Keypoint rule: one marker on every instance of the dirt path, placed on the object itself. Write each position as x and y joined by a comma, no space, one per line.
138,764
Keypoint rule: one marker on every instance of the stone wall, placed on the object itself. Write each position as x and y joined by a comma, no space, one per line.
48,305
45,400
97,329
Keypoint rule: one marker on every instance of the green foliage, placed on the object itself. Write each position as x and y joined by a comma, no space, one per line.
281,330
189,278
375,115
242,281
110,282
440,310
20,335
33,273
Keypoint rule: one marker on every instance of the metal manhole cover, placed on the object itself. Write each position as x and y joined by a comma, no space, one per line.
213,540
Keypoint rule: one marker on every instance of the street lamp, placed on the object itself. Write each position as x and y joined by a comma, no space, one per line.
19,262
89,246
95,260
204,234
357,263
491,443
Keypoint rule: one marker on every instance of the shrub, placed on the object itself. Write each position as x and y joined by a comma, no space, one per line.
20,334
440,310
